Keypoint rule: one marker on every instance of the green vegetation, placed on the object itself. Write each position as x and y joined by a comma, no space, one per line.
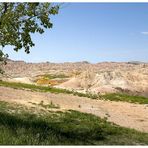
50,79
126,98
44,89
33,87
112,97
21,126
19,20
3,59
50,76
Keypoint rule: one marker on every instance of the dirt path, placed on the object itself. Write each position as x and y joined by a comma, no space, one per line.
124,114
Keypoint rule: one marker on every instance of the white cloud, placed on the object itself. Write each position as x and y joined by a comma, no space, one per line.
145,33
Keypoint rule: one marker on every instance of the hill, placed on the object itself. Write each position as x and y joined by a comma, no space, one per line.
105,77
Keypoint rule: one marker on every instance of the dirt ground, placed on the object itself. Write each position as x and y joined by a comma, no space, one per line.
121,113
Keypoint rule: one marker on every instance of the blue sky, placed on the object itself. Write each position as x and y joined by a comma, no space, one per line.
93,32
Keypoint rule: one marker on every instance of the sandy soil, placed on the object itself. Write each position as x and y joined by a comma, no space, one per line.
19,80
122,113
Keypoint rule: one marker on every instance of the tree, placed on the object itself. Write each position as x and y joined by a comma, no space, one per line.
3,58
19,20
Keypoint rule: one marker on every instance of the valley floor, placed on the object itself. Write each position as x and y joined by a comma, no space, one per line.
125,114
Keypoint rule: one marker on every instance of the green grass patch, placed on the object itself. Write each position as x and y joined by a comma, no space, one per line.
45,89
3,105
126,98
63,128
50,76
113,97
33,87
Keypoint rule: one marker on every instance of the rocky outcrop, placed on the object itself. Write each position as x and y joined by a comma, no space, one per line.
110,81
96,78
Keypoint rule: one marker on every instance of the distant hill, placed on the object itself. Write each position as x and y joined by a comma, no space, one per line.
136,62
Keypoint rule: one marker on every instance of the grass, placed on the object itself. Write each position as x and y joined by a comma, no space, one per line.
33,87
49,76
44,89
126,98
113,97
62,128
49,79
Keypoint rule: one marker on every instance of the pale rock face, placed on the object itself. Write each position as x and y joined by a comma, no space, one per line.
19,80
97,78
109,82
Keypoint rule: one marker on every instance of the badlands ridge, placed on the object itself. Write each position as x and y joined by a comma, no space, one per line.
105,77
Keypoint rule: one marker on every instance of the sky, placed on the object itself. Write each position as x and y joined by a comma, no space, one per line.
94,32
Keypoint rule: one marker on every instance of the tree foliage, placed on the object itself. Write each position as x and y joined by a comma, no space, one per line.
3,58
19,20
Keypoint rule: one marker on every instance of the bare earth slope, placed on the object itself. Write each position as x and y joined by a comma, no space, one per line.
122,113
109,81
